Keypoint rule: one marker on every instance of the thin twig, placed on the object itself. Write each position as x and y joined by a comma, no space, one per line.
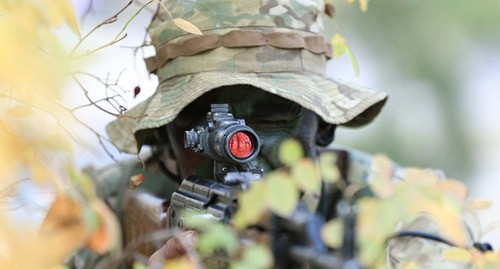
148,8
86,94
131,19
109,86
105,99
119,36
99,137
109,20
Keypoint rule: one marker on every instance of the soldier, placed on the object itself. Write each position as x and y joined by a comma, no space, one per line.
267,60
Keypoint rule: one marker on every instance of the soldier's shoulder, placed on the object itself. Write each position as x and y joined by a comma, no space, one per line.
112,180
110,177
356,166
115,177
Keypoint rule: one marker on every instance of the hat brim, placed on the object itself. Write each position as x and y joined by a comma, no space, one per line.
336,103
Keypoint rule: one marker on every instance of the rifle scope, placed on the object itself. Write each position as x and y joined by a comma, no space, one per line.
224,138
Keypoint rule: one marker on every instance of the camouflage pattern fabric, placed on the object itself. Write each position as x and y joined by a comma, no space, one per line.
287,70
422,253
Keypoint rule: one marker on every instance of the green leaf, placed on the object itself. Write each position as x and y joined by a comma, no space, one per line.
306,176
339,45
372,251
290,152
91,218
329,171
82,180
259,256
332,233
217,236
197,219
251,205
282,194
354,62
139,265
255,256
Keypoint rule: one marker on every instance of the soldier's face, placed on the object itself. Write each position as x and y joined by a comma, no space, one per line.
273,119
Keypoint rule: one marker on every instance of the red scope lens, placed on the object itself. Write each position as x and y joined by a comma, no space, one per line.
240,145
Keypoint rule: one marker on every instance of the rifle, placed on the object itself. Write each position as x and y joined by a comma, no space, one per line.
233,145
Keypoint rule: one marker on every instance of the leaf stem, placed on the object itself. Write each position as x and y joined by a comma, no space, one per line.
165,8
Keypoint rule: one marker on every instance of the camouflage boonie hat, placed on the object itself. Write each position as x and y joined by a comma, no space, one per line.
275,45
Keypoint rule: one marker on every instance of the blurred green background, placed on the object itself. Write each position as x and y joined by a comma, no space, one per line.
440,63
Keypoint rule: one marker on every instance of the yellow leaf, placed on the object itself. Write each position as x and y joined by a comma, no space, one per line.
41,172
256,256
487,260
55,141
410,265
329,170
20,111
448,220
455,188
457,255
420,176
70,16
353,61
290,152
187,26
305,175
480,204
332,233
251,205
371,253
382,184
339,45
282,194
382,166
363,5
63,226
183,262
139,265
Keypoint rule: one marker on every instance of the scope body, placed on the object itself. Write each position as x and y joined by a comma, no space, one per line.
233,146
224,138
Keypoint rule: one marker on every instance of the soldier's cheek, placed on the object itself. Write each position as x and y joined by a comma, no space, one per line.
268,158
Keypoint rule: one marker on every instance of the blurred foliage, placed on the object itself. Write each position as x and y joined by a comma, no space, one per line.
216,239
38,131
397,201
36,137
425,42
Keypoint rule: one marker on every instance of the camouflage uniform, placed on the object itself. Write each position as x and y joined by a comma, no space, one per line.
278,46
